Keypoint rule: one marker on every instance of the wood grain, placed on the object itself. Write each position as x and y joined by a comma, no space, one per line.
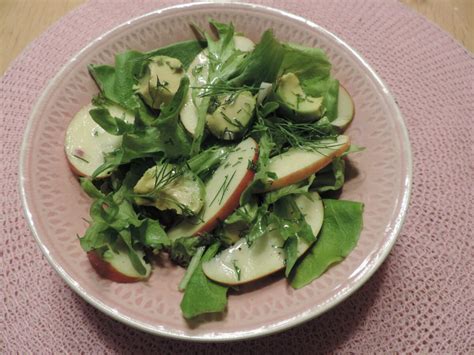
21,21
454,16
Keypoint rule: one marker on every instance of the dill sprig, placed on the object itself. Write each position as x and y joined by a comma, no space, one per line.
165,174
313,136
81,158
223,188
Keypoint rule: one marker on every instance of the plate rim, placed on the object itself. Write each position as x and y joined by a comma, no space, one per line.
274,327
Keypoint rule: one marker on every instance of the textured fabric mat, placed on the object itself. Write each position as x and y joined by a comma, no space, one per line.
420,300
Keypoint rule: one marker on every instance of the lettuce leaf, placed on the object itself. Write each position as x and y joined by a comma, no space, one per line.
203,295
313,69
338,236
331,178
262,65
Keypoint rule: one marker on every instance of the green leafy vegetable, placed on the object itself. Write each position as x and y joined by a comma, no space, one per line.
116,83
330,178
183,249
151,234
110,124
339,235
193,265
291,253
90,189
262,65
245,213
163,135
204,163
265,146
203,295
299,188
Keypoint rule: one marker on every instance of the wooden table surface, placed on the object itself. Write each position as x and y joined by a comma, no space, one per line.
21,21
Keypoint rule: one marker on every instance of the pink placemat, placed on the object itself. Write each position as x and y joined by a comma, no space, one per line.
421,299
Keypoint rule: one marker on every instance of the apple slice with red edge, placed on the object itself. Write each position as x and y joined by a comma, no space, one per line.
345,109
223,191
86,142
241,263
297,164
117,266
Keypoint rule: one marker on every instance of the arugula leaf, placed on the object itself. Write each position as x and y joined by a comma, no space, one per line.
245,213
290,221
116,83
203,295
338,236
259,226
112,125
265,146
164,135
299,188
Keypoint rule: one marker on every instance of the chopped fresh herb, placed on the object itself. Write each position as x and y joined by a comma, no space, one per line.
81,158
236,269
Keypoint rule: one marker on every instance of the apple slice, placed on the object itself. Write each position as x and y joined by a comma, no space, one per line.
266,255
118,267
223,191
86,142
198,72
297,164
345,109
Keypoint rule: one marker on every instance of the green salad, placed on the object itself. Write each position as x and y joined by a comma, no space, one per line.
221,154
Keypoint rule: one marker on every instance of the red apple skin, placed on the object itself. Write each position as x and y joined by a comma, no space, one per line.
107,271
232,202
306,172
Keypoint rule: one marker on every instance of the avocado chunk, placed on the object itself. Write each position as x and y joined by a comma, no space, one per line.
294,103
232,116
160,81
169,187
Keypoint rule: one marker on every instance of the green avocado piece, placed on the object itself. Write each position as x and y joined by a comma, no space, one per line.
294,103
167,187
160,81
232,116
